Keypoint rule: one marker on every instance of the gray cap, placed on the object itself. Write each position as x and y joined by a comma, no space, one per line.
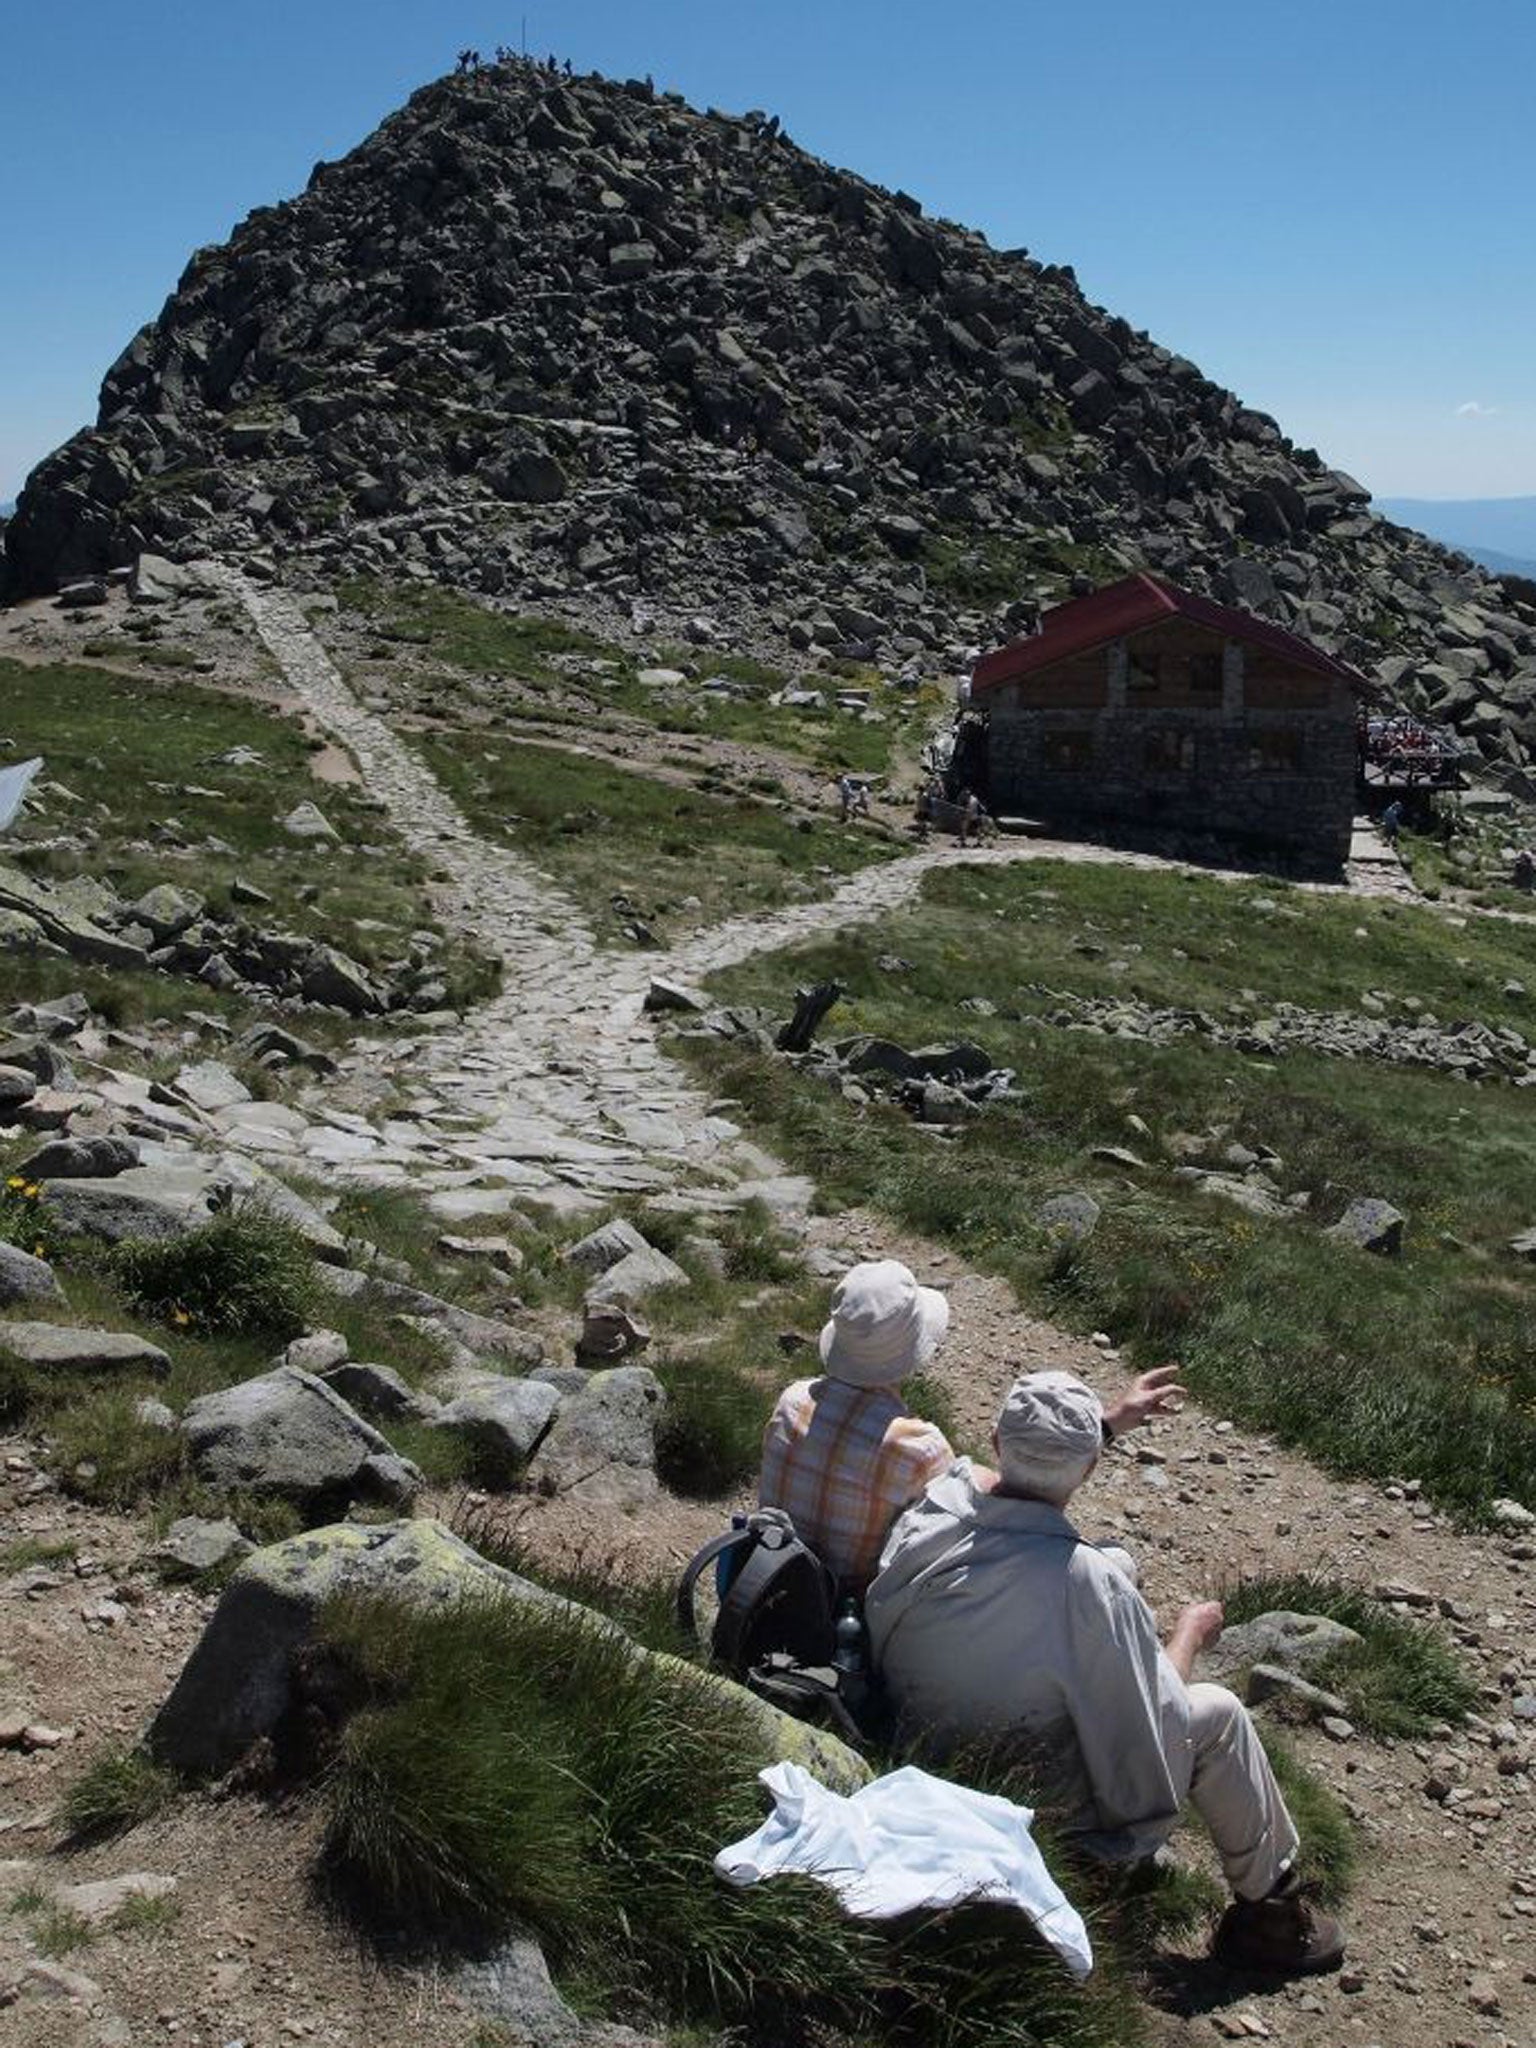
1049,1432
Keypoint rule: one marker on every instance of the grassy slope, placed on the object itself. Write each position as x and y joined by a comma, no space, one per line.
459,638
142,762
1418,1367
600,830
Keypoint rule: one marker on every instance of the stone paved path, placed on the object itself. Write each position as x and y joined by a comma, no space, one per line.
556,1090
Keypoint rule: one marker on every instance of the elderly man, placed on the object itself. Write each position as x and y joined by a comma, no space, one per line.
991,1618
843,1455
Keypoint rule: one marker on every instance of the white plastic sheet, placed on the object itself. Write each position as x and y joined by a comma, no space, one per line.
13,787
908,1841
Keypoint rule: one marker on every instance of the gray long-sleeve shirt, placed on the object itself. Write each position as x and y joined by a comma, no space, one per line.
991,1617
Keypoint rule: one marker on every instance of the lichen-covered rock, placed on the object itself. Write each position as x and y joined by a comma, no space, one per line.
1292,1642
237,1681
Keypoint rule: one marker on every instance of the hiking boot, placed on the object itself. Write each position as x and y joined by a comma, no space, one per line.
1283,1935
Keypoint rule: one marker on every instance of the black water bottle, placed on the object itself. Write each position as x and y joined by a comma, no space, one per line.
848,1642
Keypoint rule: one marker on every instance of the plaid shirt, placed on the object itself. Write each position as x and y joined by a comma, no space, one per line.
843,1462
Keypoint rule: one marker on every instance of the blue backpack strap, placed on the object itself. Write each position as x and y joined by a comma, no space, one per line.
717,1546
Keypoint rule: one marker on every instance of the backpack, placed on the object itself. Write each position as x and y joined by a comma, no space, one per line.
776,1629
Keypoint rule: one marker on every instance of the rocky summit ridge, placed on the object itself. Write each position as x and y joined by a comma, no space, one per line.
566,341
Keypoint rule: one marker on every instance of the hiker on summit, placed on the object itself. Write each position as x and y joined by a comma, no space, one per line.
991,1618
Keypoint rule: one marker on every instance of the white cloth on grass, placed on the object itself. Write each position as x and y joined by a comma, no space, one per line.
13,787
908,1841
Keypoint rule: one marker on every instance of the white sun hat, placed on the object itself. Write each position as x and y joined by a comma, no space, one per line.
883,1326
1049,1432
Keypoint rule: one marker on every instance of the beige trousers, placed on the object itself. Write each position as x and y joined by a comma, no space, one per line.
1233,1790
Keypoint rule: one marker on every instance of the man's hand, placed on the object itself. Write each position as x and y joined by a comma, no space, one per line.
1152,1394
1195,1630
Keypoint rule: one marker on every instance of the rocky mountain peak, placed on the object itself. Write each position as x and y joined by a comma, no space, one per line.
551,338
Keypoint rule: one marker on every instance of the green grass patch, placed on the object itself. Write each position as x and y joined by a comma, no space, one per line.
117,1790
143,762
709,1440
1402,1679
1418,1367
27,1552
58,1932
571,676
681,856
512,1765
248,1273
1327,1857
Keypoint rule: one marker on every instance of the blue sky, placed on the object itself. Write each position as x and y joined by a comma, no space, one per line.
1329,204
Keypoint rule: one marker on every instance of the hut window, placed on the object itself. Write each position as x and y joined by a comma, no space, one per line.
1144,674
1274,753
1205,674
1169,753
1068,753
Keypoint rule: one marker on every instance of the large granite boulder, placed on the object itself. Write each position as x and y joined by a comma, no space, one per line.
601,1445
55,1347
503,1419
238,1680
288,1433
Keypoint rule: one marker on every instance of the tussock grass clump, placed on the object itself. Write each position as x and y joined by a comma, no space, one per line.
1327,1857
512,1764
1401,1679
117,1790
710,1437
248,1272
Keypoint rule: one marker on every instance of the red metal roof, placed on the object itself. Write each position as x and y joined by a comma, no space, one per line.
1131,606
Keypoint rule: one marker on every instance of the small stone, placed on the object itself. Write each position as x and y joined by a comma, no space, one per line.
307,821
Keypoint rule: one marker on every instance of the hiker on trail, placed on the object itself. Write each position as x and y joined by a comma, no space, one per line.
842,1454
853,797
972,817
1392,822
991,1618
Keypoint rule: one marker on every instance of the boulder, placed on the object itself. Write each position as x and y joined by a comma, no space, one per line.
193,1545
601,1446
54,1347
308,821
1372,1225
210,1085
17,1086
635,1276
1292,1642
502,1419
25,1278
63,925
329,976
80,1159
317,1351
610,1331
1072,1215
146,1202
602,1248
237,1683
288,1433
379,1391
167,911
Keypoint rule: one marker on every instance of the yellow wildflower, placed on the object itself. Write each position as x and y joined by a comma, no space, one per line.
15,1181
32,1191
180,1317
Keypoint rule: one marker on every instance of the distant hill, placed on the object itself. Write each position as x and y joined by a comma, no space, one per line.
1499,533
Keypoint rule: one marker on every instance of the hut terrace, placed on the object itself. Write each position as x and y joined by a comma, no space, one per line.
1146,706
